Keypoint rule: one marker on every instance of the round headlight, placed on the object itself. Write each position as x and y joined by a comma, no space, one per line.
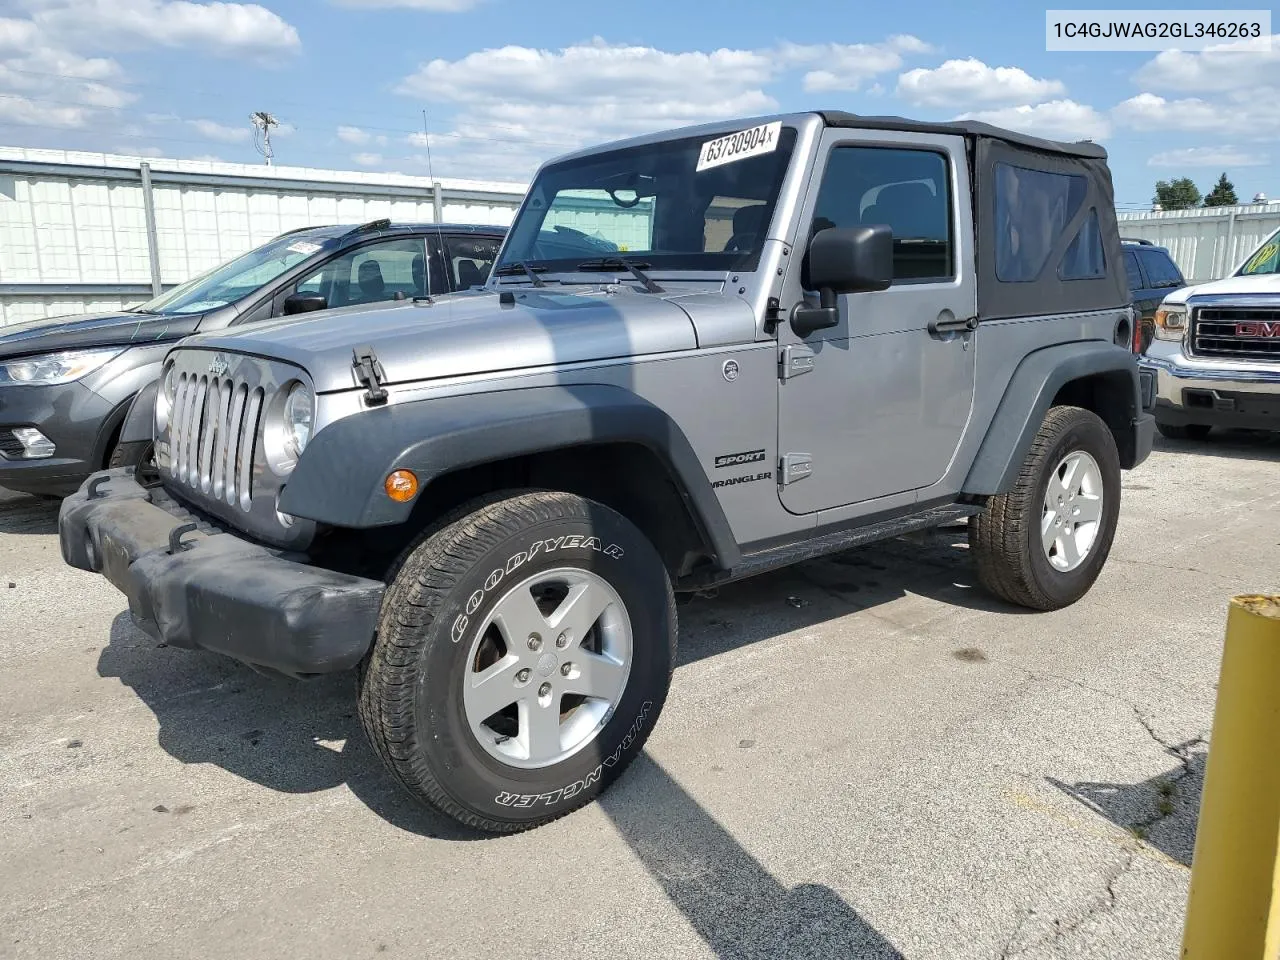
299,408
164,399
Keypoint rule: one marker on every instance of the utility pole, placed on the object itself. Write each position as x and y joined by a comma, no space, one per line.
262,124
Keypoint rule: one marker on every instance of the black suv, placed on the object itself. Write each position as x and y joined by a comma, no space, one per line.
1152,274
66,382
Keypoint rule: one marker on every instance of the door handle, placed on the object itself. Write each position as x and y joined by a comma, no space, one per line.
940,328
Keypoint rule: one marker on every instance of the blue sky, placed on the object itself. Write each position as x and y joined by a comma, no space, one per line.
508,83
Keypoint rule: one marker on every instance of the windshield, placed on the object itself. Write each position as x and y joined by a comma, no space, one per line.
1266,259
237,278
694,204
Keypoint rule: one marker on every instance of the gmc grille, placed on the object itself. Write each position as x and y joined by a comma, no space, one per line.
1236,333
214,436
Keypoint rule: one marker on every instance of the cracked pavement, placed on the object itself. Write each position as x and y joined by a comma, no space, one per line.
863,756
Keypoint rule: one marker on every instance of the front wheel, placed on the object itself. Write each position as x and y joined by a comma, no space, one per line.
523,655
1043,543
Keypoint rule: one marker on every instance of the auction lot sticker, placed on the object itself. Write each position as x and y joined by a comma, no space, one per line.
739,146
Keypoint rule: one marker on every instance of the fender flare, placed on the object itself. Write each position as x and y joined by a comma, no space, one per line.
1027,399
339,479
139,421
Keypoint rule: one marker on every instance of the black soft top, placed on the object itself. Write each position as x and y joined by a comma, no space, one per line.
964,128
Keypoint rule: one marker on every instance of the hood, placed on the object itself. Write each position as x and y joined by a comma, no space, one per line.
469,333
1267,284
54,334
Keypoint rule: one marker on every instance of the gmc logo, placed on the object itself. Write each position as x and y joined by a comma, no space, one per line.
1258,328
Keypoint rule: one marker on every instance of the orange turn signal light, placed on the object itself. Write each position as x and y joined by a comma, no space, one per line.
401,485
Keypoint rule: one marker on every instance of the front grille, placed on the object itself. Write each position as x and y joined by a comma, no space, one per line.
214,436
11,446
219,450
1237,333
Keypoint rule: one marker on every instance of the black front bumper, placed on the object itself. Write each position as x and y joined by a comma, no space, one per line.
209,590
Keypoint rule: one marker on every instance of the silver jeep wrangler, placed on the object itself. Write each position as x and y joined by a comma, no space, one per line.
702,354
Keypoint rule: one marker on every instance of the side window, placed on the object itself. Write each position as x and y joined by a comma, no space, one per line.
1162,271
1084,258
390,270
1033,207
1131,268
470,260
909,190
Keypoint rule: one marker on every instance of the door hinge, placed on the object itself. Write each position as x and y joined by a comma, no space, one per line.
795,360
369,374
793,467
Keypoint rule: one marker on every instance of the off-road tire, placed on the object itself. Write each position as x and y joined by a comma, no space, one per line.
410,686
1184,431
1005,537
139,454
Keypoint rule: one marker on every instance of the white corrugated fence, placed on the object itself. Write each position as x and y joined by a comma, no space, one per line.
76,234
1207,243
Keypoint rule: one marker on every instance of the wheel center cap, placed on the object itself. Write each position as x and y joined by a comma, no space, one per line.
547,664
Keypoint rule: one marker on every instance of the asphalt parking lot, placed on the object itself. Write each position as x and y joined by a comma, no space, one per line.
862,756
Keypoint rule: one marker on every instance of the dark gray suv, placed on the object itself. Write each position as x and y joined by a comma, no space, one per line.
66,382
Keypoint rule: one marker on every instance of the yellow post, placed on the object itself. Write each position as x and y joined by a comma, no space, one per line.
1233,912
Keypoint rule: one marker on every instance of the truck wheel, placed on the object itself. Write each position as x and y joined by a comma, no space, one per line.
1043,543
524,652
1187,431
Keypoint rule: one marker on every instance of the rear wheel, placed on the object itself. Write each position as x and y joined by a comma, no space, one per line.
1043,543
1185,431
523,655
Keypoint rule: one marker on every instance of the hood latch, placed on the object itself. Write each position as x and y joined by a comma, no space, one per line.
369,372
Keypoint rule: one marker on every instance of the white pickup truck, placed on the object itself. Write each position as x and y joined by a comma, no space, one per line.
1215,355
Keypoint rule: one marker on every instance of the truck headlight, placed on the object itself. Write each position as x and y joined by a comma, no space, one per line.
54,368
1171,321
299,409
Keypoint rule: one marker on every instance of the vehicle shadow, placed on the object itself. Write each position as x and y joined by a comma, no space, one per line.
1235,444
302,737
285,735
23,513
1162,811
733,903
933,564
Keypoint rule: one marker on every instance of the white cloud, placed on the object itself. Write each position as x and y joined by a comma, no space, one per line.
213,130
366,159
44,84
360,138
1057,120
846,66
245,30
1216,157
1253,114
959,83
1231,66
516,106
434,6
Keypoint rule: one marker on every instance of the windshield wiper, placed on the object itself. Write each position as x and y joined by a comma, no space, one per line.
522,266
618,263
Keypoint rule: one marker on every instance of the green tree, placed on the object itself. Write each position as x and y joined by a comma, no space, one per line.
1177,194
1223,194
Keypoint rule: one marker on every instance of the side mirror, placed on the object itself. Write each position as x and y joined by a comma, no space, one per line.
304,303
844,260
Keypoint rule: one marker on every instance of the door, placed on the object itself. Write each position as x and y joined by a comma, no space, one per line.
391,269
883,401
